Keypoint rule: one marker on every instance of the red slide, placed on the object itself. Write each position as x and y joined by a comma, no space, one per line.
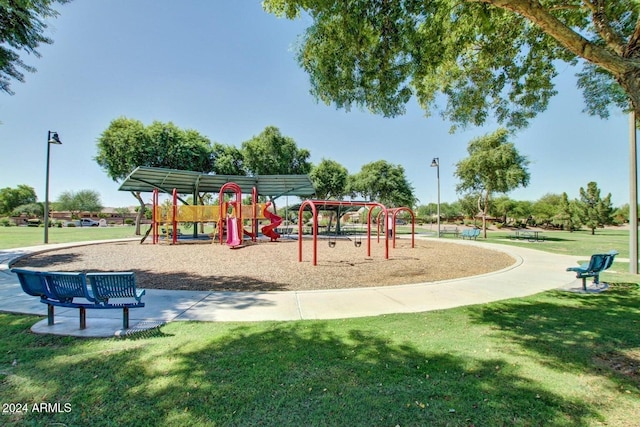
269,230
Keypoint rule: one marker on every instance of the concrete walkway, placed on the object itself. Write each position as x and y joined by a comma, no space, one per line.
534,271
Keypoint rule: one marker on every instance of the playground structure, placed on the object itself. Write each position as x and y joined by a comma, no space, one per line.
386,222
227,216
232,214
145,179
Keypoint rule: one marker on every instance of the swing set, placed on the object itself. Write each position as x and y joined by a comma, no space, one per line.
333,238
384,212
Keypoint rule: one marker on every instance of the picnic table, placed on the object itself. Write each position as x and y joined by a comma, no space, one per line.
524,234
449,230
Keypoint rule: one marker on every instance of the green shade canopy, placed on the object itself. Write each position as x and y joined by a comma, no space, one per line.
146,179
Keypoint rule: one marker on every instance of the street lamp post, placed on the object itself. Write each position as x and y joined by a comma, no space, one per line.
52,138
435,163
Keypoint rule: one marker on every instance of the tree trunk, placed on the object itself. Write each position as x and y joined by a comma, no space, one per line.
483,204
630,82
141,211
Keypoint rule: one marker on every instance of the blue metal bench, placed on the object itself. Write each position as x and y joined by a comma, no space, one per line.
106,286
33,283
470,233
596,265
60,289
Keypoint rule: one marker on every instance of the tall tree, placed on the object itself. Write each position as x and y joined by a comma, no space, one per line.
487,57
122,147
383,182
80,201
469,204
175,148
127,144
30,210
329,179
546,208
493,166
22,28
595,210
502,207
11,198
271,153
567,216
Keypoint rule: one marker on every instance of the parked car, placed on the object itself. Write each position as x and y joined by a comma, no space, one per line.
83,222
87,222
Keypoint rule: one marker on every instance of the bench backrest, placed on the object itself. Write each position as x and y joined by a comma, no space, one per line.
113,285
597,262
67,286
33,283
610,257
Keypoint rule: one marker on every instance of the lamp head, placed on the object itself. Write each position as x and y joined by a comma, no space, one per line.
435,162
54,138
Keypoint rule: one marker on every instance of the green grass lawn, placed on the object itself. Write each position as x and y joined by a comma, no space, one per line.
552,359
17,237
572,243
564,242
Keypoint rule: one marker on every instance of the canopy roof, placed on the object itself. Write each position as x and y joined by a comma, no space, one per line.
146,179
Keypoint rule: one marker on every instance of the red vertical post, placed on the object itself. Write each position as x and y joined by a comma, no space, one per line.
174,222
314,215
254,222
154,217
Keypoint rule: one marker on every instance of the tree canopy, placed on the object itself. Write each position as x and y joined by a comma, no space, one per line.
22,28
80,201
493,166
227,160
11,198
594,210
271,153
383,182
127,144
487,57
329,179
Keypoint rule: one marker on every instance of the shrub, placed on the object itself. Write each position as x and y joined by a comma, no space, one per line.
129,221
6,222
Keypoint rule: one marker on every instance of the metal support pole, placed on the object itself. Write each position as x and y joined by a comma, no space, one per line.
633,195
436,163
46,196
52,138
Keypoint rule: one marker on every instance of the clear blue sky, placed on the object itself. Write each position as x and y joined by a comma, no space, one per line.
227,69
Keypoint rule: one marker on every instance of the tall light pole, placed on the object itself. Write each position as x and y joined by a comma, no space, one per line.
435,163
633,195
52,138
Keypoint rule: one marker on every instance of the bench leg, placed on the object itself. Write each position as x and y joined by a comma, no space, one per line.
50,315
125,318
584,283
83,318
